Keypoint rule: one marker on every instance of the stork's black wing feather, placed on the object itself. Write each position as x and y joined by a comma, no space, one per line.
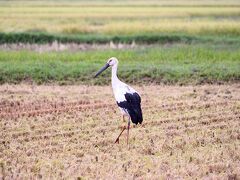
133,107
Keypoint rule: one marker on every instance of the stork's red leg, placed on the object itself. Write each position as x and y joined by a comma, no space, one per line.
117,140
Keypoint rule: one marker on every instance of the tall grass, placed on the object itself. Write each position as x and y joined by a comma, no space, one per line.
120,20
74,3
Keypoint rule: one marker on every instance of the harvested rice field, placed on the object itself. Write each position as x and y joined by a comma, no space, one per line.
66,132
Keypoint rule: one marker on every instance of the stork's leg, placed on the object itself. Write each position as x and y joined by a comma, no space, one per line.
117,140
128,131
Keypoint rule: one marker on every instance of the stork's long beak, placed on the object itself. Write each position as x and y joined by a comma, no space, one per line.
102,69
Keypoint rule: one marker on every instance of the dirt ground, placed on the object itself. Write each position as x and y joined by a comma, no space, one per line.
69,132
72,47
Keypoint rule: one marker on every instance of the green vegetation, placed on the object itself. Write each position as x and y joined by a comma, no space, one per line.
176,63
182,41
41,38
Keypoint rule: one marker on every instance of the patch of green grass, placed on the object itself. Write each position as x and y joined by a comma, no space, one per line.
41,38
178,63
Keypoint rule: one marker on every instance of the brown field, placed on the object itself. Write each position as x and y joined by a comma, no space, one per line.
68,132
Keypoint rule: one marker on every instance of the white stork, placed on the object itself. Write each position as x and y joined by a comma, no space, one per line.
127,98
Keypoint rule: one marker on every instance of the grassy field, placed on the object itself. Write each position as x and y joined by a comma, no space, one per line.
168,64
184,42
121,20
101,19
55,132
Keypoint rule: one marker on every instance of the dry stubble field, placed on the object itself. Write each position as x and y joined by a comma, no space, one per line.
68,132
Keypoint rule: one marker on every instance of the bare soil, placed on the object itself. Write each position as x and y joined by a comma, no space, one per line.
69,132
72,47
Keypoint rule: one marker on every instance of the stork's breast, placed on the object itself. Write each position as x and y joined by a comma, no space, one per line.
119,96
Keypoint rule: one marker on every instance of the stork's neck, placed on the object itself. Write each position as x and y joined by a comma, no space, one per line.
115,79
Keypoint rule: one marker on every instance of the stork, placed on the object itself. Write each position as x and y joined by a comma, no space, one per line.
128,99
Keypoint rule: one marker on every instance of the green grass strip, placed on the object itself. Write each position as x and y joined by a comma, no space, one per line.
41,38
175,64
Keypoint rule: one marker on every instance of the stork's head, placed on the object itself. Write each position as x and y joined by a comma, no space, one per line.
111,62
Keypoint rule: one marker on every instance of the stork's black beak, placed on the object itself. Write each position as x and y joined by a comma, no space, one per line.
102,69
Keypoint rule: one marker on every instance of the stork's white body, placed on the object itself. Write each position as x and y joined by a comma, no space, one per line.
120,89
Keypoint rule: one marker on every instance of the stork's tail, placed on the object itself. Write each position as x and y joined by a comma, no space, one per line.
136,115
